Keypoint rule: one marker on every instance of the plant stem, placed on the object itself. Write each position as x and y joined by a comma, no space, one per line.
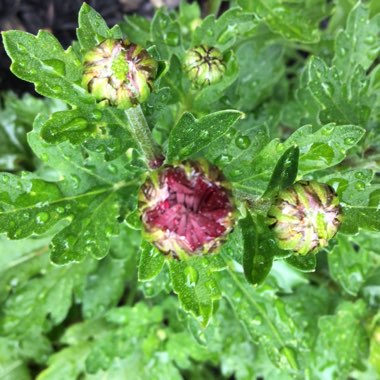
143,136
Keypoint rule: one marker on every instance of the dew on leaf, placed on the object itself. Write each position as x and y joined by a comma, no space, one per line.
191,276
360,186
223,160
60,210
97,115
42,217
5,178
242,142
57,89
77,124
56,65
75,181
349,141
172,39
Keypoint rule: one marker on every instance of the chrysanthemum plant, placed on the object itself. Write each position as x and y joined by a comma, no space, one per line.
228,145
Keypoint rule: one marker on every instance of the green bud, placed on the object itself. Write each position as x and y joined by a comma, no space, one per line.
305,216
119,72
204,65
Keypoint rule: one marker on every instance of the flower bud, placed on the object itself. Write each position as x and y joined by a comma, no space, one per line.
204,65
305,216
186,209
119,72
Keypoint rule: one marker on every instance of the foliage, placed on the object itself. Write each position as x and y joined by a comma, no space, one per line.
83,296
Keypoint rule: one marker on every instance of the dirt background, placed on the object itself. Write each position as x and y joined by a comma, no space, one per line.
60,17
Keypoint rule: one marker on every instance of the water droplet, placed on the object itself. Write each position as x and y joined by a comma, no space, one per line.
97,115
77,124
236,173
328,129
360,175
329,88
163,22
242,142
280,147
191,276
60,210
42,217
25,215
369,40
288,356
22,48
13,282
360,186
349,141
172,39
56,65
210,32
100,149
112,168
231,133
75,180
44,157
5,178
223,160
57,89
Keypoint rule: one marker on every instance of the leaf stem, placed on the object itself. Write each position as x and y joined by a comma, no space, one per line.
139,129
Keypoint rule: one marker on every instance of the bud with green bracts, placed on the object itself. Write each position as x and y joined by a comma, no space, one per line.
305,216
119,73
186,209
204,65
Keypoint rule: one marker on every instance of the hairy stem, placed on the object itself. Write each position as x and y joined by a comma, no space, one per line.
143,136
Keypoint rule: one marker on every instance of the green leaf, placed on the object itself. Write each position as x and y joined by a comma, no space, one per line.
318,150
303,263
137,28
224,32
190,135
258,251
292,19
151,262
342,341
348,266
266,319
104,287
261,67
340,101
358,43
195,285
359,199
41,59
285,172
93,29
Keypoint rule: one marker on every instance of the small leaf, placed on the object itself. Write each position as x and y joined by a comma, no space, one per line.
285,172
89,232
257,251
93,29
151,262
348,266
190,135
196,287
305,263
41,59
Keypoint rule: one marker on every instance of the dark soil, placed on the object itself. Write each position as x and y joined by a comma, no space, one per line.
60,17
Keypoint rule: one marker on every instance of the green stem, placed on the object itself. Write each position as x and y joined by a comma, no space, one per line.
143,136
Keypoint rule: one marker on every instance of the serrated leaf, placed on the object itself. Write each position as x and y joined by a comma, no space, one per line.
93,29
104,287
342,341
41,59
359,199
151,262
261,67
257,251
293,20
358,43
223,32
196,287
347,266
305,263
285,172
340,101
190,135
321,149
